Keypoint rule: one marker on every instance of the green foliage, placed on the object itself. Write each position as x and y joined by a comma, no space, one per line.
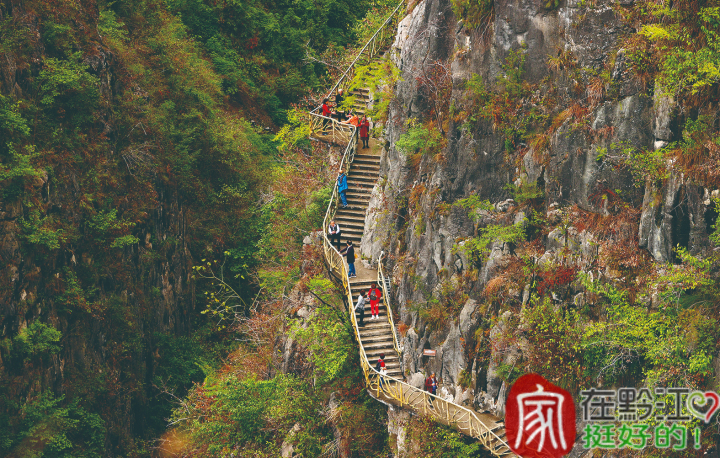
649,165
231,412
182,362
42,231
465,379
380,76
50,428
419,141
108,25
17,170
295,133
715,236
477,248
556,344
474,12
129,120
475,206
260,49
36,340
525,192
437,441
504,106
327,335
12,123
67,85
508,372
688,46
673,342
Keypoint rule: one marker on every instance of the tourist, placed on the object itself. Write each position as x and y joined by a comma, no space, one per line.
360,308
365,131
433,384
342,187
429,389
349,252
428,384
353,120
374,295
326,114
380,367
338,102
334,234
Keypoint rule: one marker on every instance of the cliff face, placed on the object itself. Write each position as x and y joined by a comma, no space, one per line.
412,215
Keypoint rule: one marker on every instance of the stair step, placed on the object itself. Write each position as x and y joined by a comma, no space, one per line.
377,338
348,230
350,213
372,326
376,346
366,160
358,195
362,166
377,332
363,156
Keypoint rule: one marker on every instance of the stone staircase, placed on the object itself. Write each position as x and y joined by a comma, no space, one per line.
376,335
362,96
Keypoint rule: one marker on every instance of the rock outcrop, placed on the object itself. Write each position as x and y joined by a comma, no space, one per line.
579,167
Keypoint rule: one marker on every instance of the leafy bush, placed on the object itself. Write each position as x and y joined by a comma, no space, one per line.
477,249
438,441
36,340
525,193
419,142
474,12
327,335
50,428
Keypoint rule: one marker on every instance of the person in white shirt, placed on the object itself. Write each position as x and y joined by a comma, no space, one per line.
360,308
334,233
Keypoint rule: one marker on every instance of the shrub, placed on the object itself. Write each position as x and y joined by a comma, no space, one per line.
474,12
36,340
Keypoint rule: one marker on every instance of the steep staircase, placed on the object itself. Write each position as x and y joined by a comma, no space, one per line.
376,337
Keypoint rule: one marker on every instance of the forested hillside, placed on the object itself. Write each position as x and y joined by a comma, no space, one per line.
137,143
547,203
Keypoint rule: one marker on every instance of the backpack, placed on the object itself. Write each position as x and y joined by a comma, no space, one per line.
373,295
379,365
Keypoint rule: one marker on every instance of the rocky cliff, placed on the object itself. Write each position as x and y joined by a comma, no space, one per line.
567,63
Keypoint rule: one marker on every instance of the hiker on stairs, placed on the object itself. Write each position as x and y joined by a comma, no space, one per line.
374,294
342,187
349,252
380,367
326,114
334,234
360,308
338,101
365,131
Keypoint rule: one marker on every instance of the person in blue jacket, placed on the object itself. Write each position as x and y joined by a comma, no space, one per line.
342,187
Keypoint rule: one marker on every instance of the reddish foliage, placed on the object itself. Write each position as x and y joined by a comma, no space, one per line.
559,276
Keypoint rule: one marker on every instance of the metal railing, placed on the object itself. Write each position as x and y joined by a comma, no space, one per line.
377,43
386,301
389,389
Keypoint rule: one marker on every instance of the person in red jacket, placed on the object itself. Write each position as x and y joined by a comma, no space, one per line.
374,295
365,131
326,113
